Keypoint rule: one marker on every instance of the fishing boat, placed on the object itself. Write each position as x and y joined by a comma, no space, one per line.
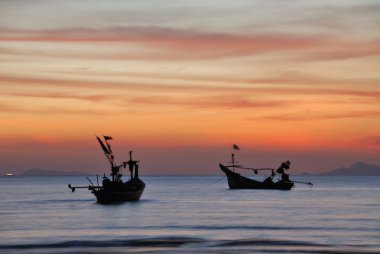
237,181
114,189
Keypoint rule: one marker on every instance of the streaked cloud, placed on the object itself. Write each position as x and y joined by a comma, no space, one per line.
192,44
52,110
169,43
280,85
91,98
210,102
313,116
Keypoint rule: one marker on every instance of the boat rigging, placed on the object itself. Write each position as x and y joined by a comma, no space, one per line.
114,189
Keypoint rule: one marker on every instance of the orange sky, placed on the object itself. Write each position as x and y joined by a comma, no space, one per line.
179,81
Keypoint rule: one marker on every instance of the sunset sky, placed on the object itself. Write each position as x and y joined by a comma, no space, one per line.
180,81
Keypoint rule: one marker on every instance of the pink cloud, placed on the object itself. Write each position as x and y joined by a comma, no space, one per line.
189,44
56,110
231,101
346,50
373,140
186,42
91,98
235,88
320,116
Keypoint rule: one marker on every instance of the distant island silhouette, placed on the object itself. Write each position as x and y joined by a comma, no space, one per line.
357,169
47,172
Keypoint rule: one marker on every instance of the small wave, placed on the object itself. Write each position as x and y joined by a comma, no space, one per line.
264,242
188,245
143,242
55,201
243,227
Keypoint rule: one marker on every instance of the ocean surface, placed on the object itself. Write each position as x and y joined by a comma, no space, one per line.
191,215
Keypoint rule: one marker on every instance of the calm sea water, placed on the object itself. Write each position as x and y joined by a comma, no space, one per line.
191,215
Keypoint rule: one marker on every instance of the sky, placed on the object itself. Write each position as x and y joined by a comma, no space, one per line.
178,82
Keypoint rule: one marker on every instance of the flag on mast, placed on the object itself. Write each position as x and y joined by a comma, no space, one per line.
108,145
236,147
107,152
107,137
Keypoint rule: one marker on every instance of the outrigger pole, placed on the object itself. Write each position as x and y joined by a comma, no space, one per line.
309,183
84,187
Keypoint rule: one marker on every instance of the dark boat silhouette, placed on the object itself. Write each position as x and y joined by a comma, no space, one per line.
114,189
236,181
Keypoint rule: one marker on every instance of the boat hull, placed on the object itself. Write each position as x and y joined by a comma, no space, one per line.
236,181
117,197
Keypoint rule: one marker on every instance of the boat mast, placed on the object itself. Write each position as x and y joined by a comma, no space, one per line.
115,170
131,164
110,157
233,162
234,147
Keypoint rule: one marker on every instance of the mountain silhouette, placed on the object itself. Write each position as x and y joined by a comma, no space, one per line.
357,169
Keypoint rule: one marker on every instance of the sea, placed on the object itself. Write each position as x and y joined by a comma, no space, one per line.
191,214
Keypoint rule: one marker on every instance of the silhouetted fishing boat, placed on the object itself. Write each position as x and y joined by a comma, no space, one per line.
236,181
114,189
